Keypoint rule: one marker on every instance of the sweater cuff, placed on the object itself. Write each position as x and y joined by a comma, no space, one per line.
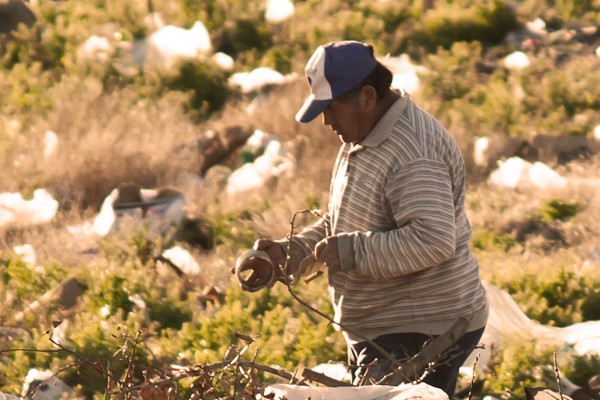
346,251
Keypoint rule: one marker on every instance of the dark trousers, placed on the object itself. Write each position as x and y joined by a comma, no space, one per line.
403,346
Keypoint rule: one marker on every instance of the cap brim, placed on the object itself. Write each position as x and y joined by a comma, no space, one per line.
311,109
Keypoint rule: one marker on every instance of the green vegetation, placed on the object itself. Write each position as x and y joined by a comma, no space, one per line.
559,300
120,122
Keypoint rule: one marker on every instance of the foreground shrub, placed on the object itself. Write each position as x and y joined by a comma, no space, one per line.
556,299
582,368
517,366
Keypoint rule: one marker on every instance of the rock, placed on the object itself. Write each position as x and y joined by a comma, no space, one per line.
65,295
9,334
215,146
594,382
544,394
13,13
6,396
489,149
560,149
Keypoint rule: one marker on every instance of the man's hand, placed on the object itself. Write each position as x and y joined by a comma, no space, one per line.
274,250
326,252
259,267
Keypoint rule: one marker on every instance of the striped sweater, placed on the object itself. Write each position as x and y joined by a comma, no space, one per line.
397,206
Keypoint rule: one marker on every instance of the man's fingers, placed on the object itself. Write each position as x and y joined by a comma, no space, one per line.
319,248
262,244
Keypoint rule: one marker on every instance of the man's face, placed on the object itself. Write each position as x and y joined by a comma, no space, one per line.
346,119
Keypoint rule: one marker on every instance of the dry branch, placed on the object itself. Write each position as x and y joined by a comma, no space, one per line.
322,378
430,353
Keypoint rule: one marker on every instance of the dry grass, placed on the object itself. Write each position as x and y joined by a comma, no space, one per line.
496,209
109,138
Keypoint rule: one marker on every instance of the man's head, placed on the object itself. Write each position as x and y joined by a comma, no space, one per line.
347,84
333,69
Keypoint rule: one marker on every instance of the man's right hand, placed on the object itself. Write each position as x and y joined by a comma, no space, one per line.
273,249
255,261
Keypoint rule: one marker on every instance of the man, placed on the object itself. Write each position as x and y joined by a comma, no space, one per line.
395,239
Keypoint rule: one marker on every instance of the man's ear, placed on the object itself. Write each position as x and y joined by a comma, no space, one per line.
368,96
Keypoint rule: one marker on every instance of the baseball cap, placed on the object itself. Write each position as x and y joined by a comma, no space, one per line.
333,69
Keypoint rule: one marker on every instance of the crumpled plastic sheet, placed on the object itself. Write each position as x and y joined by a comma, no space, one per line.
421,391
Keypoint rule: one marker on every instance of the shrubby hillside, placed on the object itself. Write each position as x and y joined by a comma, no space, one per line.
82,112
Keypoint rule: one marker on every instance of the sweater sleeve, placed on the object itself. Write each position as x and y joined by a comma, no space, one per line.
302,246
420,198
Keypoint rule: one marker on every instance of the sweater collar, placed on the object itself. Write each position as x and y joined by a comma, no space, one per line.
383,129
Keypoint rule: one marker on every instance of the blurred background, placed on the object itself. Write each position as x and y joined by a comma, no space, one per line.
144,145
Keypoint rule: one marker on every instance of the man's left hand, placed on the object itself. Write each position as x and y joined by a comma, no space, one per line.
326,251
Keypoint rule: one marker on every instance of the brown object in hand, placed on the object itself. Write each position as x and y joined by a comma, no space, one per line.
255,270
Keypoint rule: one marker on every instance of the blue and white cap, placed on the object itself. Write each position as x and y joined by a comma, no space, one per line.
333,69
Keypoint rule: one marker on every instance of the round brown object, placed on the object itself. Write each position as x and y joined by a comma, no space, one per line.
255,270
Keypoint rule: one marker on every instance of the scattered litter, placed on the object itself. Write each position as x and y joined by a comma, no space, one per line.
258,78
171,44
537,26
182,259
405,73
129,204
95,49
225,61
279,11
27,253
516,60
542,176
104,311
140,304
406,391
516,172
482,144
337,371
50,143
489,149
274,161
59,335
256,143
16,211
43,385
506,318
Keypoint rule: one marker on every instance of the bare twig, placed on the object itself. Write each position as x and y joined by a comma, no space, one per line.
94,365
198,369
129,371
557,376
470,395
